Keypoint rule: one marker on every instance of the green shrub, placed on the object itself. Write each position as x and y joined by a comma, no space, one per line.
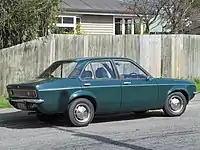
198,87
4,103
197,80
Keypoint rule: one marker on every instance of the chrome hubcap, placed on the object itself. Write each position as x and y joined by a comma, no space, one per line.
176,104
82,113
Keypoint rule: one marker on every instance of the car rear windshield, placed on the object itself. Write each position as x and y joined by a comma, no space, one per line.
60,69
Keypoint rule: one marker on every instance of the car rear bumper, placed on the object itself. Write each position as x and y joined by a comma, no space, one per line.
195,93
25,104
33,101
38,105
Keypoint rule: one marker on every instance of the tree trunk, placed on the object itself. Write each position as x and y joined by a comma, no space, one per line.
147,30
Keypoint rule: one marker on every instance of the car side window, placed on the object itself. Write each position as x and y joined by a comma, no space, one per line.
98,70
87,73
103,70
128,70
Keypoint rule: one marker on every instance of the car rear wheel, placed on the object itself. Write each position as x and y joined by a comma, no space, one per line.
81,112
175,104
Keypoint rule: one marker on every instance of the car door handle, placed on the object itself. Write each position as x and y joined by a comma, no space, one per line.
127,83
87,84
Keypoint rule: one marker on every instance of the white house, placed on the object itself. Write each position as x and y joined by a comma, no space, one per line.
99,17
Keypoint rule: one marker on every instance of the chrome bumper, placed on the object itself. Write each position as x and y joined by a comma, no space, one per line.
34,101
195,93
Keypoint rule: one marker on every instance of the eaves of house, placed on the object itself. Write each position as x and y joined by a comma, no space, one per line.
103,7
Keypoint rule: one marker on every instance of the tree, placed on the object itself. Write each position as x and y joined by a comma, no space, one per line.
148,11
24,20
177,15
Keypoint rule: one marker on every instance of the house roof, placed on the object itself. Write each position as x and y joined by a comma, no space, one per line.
94,6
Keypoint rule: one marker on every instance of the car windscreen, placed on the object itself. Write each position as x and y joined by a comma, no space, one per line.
59,69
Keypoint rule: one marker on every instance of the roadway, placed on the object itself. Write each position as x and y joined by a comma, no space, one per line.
153,131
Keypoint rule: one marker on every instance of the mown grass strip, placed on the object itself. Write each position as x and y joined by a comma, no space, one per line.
4,103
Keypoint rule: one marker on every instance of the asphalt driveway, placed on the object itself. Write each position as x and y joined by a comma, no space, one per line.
154,131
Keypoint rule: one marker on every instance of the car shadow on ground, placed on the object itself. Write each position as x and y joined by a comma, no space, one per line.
103,139
21,120
127,116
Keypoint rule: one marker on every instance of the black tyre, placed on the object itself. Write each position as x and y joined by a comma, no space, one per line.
175,104
81,112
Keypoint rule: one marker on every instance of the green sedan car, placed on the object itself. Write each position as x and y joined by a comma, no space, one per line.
84,87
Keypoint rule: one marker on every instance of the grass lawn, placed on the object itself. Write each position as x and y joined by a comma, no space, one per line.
198,87
4,103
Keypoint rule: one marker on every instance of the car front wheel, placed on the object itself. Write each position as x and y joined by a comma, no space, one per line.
81,112
175,104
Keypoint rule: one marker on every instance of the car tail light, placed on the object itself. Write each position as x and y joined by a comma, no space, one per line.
21,93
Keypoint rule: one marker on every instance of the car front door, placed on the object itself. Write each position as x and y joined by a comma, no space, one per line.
138,92
99,78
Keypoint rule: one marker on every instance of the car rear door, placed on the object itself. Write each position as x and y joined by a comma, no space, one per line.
138,92
99,78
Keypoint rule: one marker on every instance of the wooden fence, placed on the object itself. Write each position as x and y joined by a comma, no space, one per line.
161,55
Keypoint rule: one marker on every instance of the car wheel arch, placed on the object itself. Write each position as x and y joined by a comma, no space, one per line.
84,94
91,99
183,91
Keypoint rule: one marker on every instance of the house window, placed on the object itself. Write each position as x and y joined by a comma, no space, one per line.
123,25
68,20
67,23
118,26
126,25
78,20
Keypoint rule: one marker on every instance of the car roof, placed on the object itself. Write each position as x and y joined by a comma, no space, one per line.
86,59
89,59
